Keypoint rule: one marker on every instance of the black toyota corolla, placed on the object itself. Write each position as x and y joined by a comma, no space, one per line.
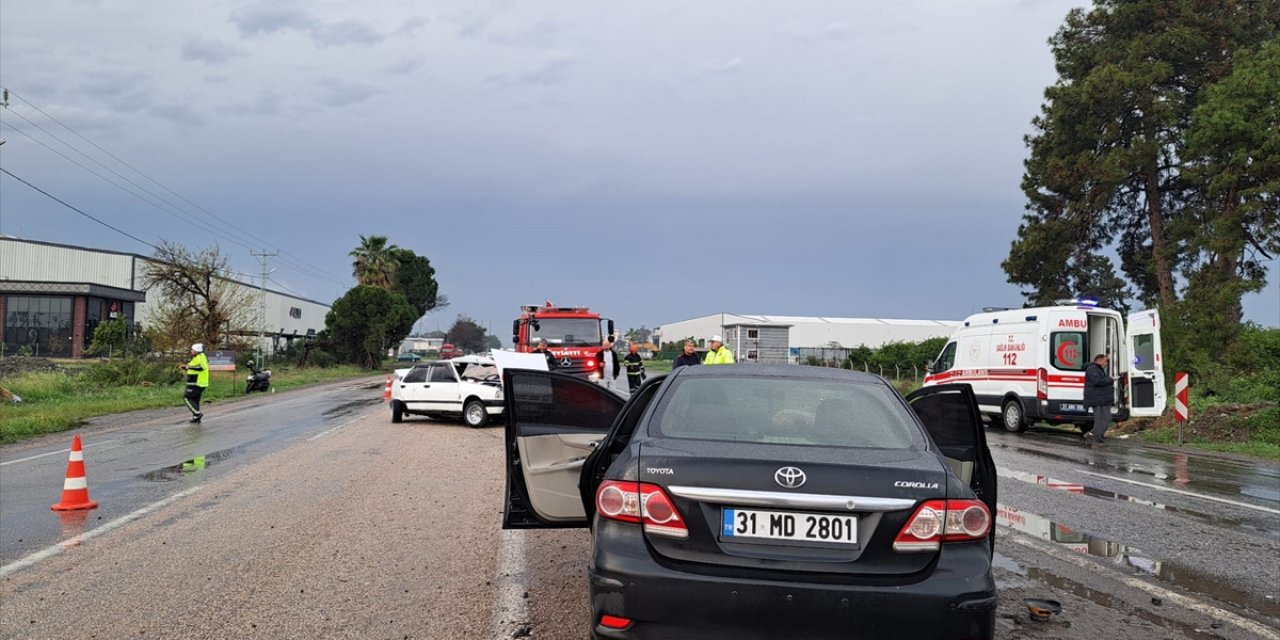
757,501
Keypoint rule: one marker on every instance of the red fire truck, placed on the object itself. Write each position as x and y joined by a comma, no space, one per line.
573,335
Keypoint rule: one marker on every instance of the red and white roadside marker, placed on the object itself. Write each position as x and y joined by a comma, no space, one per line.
1180,392
1180,410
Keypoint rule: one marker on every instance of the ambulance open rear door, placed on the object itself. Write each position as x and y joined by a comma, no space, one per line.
1147,395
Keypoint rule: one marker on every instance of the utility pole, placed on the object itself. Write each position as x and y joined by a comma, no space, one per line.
265,258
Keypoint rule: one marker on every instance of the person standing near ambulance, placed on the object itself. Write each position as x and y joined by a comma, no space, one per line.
1100,395
197,380
719,354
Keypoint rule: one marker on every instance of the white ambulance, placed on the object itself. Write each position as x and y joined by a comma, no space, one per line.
1027,365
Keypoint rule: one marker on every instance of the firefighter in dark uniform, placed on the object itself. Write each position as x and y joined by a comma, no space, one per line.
635,367
552,363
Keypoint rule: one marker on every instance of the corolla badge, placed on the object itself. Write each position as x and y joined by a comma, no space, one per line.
789,477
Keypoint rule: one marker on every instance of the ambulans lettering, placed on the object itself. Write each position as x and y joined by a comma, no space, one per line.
1073,323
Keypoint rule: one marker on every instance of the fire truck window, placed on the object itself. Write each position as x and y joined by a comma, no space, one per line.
947,359
1067,350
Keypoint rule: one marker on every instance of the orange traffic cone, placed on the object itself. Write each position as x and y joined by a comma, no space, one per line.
386,391
75,489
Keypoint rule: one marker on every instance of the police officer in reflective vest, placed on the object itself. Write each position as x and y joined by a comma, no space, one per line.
197,380
718,354
635,367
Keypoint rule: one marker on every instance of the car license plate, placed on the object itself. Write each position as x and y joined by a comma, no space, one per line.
1077,408
744,524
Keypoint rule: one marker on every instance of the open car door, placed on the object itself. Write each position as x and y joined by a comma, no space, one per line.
950,413
1146,392
554,421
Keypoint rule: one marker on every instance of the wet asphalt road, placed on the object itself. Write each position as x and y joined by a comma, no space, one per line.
313,516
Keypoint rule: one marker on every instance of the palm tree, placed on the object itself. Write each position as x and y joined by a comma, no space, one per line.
375,262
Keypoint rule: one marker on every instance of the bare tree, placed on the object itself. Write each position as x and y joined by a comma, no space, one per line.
197,301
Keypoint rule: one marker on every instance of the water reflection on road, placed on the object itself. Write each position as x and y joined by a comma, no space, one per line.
1130,559
1249,482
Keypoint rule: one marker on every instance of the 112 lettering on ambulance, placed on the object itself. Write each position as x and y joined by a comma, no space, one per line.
1027,365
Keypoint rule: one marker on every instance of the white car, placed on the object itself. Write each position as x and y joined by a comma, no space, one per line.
468,387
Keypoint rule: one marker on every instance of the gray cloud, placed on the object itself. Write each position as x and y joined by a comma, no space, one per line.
341,93
724,67
413,26
207,50
543,34
344,32
406,66
265,104
177,114
270,18
551,70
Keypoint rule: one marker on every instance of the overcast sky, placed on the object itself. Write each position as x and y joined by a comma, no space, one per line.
657,161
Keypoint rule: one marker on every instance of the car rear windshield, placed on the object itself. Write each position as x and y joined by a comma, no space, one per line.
795,411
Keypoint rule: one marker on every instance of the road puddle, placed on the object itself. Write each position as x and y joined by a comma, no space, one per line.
1130,559
1109,601
191,466
348,408
1095,492
1224,478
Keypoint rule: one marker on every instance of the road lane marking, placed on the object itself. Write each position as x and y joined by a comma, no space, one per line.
1148,485
52,453
49,552
510,607
1169,596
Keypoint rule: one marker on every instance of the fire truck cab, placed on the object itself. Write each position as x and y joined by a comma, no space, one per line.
1027,365
573,336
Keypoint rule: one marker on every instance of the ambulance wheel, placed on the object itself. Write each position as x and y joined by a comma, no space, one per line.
1012,417
397,411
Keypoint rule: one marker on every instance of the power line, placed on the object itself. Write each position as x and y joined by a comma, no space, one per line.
297,263
104,178
61,202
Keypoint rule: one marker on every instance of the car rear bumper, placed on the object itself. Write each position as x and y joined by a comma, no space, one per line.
956,601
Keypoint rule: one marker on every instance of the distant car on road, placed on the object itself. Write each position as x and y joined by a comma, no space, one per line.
449,351
466,387
408,356
758,501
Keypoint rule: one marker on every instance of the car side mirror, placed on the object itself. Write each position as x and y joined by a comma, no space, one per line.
932,367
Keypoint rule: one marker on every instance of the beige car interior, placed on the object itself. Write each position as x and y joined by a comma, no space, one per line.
552,465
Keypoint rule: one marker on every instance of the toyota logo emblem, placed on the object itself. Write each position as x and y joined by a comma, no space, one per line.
789,477
565,361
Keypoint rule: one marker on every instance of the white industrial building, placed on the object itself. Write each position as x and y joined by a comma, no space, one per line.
52,296
742,332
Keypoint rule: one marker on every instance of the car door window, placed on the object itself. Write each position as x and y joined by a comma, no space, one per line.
441,373
417,374
950,414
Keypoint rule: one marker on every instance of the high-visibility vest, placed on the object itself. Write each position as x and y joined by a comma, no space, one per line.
198,371
720,356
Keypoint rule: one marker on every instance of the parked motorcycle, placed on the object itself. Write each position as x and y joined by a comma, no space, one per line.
258,380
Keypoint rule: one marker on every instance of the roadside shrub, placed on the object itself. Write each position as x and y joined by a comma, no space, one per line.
36,387
132,372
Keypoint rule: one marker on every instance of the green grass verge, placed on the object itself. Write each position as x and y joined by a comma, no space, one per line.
54,402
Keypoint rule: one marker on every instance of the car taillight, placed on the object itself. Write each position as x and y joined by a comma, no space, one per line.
938,521
641,503
1042,385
